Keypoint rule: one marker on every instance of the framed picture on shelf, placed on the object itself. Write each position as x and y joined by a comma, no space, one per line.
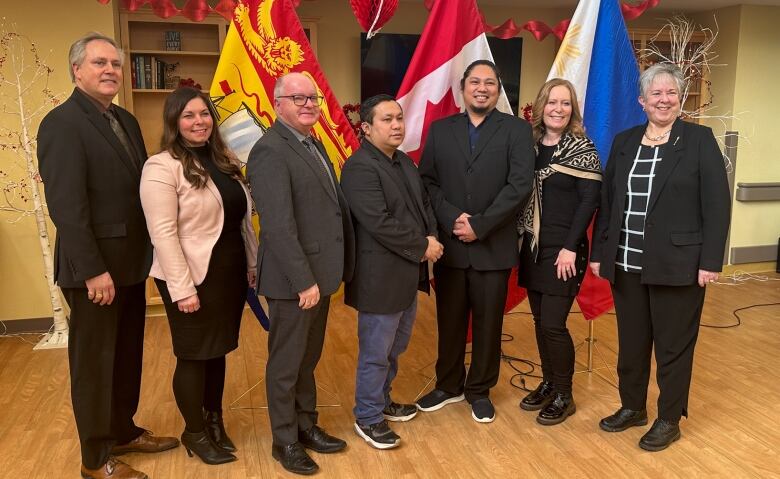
172,41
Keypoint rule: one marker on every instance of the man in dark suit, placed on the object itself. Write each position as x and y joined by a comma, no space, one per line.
395,231
478,168
90,154
306,250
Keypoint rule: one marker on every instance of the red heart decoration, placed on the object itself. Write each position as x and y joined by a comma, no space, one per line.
366,12
226,8
164,8
196,10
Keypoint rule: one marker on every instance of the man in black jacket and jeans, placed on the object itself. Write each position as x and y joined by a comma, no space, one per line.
396,237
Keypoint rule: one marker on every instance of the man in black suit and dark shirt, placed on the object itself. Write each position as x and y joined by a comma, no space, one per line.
478,169
395,231
90,154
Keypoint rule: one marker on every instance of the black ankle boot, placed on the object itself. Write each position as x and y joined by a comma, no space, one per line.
215,428
538,398
207,451
661,434
557,410
623,419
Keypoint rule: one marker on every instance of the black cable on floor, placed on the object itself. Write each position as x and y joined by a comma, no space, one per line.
739,320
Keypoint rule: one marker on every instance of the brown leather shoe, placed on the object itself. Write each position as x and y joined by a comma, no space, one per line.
145,443
113,469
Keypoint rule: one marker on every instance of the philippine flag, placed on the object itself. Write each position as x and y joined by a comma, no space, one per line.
598,58
453,37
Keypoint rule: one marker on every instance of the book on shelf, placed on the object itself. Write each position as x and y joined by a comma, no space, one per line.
161,66
147,72
133,73
153,68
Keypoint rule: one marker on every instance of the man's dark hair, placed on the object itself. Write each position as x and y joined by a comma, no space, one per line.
368,107
476,63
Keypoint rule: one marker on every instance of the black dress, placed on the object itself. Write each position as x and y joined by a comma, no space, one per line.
567,208
212,331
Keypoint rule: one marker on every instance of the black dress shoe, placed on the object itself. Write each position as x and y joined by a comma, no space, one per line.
661,434
294,458
538,398
557,410
623,419
207,451
215,428
320,441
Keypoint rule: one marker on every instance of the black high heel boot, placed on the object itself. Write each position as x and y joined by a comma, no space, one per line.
207,451
215,428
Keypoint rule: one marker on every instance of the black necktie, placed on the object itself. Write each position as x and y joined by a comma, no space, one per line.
122,136
309,144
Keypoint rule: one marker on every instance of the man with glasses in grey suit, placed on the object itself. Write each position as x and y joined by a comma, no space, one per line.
306,251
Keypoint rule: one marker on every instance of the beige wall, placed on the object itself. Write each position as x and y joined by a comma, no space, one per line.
757,105
748,47
23,291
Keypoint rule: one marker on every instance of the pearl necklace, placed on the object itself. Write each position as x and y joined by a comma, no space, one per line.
659,137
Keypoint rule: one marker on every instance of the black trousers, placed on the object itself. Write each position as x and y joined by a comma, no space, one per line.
666,317
105,350
556,349
295,344
461,293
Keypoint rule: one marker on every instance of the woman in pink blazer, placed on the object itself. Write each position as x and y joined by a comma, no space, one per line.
198,211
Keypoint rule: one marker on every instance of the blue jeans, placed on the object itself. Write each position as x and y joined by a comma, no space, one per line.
382,338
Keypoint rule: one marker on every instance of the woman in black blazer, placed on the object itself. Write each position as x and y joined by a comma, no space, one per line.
660,235
554,251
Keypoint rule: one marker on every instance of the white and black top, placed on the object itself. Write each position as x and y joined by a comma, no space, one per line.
632,230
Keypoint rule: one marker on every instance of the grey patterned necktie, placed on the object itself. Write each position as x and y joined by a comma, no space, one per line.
122,136
309,144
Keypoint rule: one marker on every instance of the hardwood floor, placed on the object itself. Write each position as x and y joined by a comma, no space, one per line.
733,430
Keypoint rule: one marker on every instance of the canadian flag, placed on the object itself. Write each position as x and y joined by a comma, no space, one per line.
453,37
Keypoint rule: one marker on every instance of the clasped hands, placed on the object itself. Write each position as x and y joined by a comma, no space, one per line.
463,229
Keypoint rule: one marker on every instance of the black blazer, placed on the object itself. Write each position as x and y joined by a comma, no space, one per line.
390,230
491,185
689,211
306,234
92,192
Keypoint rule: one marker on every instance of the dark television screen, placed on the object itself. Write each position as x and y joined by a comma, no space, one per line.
385,58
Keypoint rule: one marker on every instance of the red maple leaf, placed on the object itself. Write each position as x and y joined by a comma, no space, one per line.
433,112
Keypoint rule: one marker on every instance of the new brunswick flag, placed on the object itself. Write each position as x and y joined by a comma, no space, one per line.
266,40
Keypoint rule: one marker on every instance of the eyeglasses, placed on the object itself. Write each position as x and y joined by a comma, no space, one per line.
300,100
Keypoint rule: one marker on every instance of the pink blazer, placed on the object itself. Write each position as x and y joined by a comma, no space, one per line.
184,223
